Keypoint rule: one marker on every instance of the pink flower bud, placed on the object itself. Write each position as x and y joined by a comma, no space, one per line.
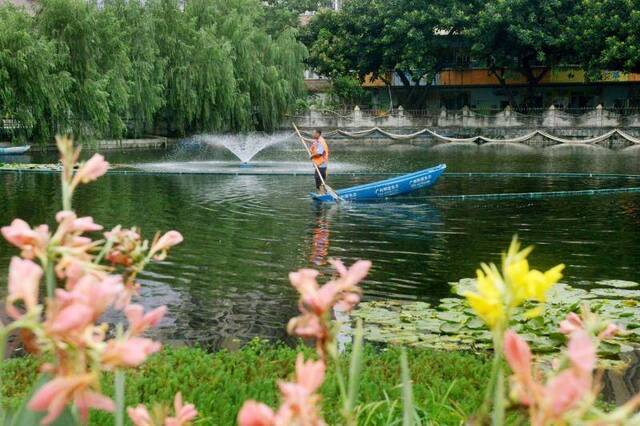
582,352
139,416
92,169
254,413
167,241
183,413
129,353
309,374
24,281
139,322
610,331
32,242
517,353
572,323
54,396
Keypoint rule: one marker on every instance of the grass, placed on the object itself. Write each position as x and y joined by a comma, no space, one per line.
447,385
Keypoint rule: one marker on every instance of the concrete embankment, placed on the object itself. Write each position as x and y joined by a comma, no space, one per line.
118,144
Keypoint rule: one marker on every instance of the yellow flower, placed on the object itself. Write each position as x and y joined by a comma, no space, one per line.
496,294
487,300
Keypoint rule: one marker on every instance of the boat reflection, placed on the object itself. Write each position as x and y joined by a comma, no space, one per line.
321,233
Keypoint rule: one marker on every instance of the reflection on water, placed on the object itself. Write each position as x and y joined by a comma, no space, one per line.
321,233
243,234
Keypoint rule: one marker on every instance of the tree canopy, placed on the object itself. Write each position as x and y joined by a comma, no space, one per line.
131,67
606,35
416,39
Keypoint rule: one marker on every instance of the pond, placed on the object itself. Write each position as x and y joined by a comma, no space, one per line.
244,233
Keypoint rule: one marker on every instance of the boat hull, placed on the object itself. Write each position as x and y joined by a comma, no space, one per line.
14,150
392,187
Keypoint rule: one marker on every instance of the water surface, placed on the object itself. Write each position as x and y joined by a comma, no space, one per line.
244,233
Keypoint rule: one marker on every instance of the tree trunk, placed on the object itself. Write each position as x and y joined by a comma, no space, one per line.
499,75
532,79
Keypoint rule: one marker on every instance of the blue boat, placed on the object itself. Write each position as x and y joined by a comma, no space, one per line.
14,150
399,185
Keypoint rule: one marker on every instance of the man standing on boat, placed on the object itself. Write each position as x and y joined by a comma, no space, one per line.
320,157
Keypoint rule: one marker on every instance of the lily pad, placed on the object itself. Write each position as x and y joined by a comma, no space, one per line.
452,324
618,283
616,292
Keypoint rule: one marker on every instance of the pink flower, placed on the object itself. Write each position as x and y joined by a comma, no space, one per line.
72,268
353,275
309,374
518,354
572,323
299,397
140,416
610,331
129,353
120,234
564,391
57,393
184,413
582,352
75,317
320,300
165,242
91,170
85,303
256,414
307,326
97,292
76,224
32,242
348,302
24,281
139,322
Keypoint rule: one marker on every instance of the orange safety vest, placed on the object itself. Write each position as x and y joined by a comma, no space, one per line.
320,160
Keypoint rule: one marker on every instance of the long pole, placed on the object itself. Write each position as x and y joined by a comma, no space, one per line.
330,191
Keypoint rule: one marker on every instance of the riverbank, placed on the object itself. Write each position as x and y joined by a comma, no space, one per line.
157,142
447,385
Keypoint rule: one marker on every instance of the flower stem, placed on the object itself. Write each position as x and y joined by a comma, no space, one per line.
119,385
491,390
3,345
119,393
51,279
105,249
66,194
497,418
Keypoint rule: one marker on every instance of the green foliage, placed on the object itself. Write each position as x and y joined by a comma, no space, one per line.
131,67
513,38
415,40
282,14
446,385
606,35
518,35
33,89
347,91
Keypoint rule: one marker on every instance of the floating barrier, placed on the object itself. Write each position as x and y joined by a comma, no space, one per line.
480,140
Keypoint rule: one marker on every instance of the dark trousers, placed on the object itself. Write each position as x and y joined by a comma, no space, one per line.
323,173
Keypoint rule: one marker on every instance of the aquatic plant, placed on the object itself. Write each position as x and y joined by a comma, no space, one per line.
316,304
84,278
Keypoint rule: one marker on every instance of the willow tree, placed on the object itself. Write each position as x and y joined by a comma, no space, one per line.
145,73
267,72
94,54
32,89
